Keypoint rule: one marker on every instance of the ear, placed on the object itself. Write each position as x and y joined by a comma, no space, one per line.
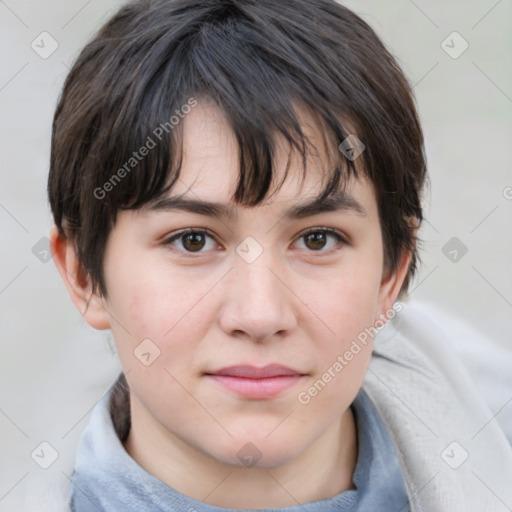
391,283
77,281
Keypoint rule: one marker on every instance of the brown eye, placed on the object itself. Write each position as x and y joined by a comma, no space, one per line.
191,241
317,239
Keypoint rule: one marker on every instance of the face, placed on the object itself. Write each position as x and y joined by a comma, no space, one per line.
252,287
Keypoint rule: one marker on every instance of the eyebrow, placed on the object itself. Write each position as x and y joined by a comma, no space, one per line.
337,202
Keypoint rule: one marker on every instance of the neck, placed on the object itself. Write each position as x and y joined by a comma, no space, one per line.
322,471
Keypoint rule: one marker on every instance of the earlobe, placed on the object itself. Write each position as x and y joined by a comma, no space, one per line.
91,306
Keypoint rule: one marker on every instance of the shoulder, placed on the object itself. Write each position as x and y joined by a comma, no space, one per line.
442,388
456,348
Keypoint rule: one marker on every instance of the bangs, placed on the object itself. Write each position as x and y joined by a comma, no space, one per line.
258,88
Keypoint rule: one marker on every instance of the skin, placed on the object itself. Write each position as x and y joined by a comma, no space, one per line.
298,304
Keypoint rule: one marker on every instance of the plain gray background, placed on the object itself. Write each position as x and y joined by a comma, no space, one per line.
54,367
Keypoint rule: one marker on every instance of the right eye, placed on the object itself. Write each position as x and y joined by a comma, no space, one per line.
192,240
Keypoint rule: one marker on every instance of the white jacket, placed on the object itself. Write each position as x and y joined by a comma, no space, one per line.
445,393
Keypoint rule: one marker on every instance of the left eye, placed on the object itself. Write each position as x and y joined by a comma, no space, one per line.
316,238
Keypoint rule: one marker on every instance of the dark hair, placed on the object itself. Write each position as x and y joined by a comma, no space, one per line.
258,61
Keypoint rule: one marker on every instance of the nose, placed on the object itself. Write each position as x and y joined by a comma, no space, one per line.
259,302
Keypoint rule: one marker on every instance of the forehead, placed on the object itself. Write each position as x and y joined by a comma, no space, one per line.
210,167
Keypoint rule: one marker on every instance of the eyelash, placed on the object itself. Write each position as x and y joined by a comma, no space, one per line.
197,231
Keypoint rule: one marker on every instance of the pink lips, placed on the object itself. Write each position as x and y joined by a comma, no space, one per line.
252,382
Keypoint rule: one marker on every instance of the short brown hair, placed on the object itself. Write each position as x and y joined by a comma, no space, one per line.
256,60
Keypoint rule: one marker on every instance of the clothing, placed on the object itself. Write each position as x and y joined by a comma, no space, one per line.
434,380
455,454
107,479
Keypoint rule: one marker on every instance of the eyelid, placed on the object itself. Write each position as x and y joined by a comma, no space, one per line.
324,229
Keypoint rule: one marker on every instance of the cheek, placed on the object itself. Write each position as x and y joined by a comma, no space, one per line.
359,306
165,318
149,301
343,357
349,302
349,307
148,295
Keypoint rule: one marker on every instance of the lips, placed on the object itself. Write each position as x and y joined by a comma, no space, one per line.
256,383
252,372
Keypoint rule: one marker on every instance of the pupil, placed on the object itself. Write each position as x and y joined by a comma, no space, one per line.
317,238
197,242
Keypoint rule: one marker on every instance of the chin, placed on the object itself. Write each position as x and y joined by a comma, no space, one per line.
258,452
